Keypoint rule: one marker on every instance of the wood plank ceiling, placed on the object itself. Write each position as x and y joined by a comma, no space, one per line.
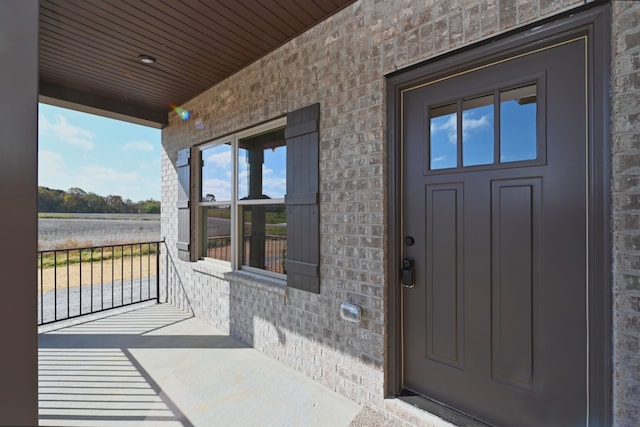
89,49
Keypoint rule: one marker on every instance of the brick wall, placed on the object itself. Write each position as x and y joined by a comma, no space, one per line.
341,63
625,129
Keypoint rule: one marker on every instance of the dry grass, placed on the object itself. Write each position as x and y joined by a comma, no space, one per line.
106,271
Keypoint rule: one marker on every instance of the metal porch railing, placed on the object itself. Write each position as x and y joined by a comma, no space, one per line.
79,281
275,251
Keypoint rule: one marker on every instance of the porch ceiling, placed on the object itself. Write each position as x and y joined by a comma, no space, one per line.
88,55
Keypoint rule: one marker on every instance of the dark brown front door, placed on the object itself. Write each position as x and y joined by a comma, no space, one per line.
495,181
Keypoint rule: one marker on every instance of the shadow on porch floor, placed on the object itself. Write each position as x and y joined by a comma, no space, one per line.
159,366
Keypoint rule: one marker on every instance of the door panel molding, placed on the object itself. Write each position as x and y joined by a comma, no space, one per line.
445,294
592,23
516,217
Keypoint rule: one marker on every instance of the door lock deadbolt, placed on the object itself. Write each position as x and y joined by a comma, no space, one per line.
408,273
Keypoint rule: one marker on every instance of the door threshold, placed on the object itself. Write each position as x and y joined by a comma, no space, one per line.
445,412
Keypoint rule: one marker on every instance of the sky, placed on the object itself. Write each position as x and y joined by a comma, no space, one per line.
97,154
217,172
517,135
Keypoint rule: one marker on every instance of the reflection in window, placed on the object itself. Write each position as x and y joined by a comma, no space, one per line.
518,124
443,142
262,166
218,232
264,237
216,173
477,131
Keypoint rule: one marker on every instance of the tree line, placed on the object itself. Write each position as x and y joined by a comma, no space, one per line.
76,200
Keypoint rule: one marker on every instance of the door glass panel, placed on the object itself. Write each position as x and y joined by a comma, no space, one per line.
477,131
518,139
443,141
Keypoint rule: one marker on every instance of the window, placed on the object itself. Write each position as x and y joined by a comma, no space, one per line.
254,212
243,184
463,133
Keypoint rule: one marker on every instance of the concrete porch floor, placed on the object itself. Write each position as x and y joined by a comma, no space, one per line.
160,366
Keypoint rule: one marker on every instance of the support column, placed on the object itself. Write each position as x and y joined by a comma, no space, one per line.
18,216
258,216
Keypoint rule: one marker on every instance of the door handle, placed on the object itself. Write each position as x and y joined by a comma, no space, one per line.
408,272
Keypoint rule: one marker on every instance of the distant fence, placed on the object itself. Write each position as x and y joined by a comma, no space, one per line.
79,281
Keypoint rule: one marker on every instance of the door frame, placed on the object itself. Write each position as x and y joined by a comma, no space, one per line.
594,23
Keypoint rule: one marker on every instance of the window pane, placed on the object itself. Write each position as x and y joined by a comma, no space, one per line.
262,166
264,237
477,131
518,140
443,141
216,173
218,229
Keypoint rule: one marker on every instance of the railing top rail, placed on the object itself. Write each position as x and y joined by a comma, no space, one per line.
114,245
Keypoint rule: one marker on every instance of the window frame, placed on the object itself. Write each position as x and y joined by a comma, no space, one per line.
538,79
235,204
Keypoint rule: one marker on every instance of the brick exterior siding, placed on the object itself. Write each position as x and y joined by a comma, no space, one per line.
341,63
625,141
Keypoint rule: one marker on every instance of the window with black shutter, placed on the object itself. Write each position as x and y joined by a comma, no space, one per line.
246,221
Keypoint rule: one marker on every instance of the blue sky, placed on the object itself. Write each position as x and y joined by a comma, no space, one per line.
217,172
517,135
99,155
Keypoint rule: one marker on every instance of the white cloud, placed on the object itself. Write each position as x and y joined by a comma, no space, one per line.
275,187
139,145
100,173
66,132
220,188
52,170
220,160
469,123
448,126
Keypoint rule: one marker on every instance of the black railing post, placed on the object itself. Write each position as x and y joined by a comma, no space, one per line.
122,276
80,275
41,255
68,287
55,286
102,278
91,280
158,271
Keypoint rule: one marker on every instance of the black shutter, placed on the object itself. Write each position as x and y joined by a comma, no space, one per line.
303,217
183,204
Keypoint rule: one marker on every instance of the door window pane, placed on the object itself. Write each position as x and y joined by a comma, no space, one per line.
218,232
518,139
264,237
443,132
216,173
477,131
262,166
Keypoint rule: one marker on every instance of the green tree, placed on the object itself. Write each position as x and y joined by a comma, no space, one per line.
115,203
149,206
50,200
78,200
95,203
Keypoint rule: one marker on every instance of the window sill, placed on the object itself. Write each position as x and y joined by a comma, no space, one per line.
212,269
244,278
258,281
